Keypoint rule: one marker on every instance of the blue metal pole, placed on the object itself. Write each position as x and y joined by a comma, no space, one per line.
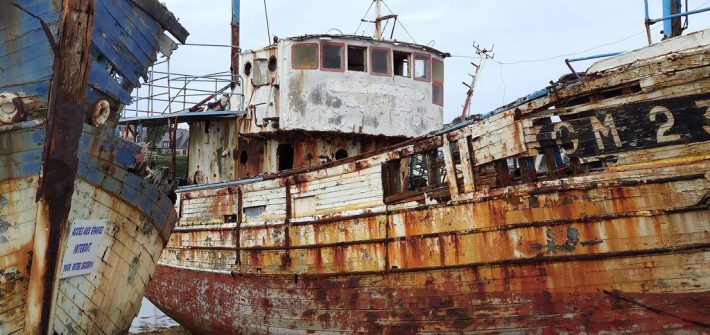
645,3
647,23
595,56
235,40
681,15
670,8
235,12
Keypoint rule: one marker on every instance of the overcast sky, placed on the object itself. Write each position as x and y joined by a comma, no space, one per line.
521,31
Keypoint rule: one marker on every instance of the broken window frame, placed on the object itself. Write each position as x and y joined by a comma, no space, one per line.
437,84
260,71
389,62
427,58
360,49
322,57
293,56
408,60
434,169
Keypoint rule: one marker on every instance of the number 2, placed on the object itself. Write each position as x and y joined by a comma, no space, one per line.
664,128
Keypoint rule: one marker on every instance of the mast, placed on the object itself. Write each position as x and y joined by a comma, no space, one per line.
484,55
65,122
378,19
235,41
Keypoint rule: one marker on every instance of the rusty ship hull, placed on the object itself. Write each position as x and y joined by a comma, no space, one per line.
80,231
582,208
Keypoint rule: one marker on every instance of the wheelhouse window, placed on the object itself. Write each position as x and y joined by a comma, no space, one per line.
401,62
437,85
408,178
304,56
381,62
422,67
261,72
357,58
331,56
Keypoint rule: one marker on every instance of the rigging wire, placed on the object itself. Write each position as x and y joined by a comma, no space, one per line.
364,16
400,23
268,31
575,53
559,56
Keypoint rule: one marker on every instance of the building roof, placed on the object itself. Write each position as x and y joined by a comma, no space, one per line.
182,138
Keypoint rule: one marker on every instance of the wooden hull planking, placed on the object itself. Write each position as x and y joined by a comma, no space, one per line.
138,217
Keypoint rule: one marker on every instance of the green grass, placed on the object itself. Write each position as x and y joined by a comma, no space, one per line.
156,161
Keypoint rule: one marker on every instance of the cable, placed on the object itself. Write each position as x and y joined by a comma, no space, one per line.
268,31
364,16
400,23
558,56
580,52
502,79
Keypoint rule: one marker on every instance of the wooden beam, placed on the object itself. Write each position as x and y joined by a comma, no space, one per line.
467,164
450,167
65,121
165,17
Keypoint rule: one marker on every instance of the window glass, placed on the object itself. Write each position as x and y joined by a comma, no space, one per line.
437,93
356,58
401,63
437,86
261,71
331,56
421,67
437,70
305,56
380,61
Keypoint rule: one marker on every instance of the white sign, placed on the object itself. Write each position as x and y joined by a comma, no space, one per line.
83,247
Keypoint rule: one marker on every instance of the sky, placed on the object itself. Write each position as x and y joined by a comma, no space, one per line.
531,39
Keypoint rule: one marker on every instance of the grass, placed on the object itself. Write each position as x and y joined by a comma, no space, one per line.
156,161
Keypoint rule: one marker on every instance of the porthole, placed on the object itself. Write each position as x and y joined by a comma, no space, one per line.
243,157
272,64
341,154
247,68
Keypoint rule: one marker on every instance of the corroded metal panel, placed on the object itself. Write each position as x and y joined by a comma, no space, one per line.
566,296
212,147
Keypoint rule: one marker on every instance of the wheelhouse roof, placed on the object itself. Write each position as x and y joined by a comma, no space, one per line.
374,41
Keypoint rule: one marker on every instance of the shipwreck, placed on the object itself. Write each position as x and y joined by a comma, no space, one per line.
331,198
80,228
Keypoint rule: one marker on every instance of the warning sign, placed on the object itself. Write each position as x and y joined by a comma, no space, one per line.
83,247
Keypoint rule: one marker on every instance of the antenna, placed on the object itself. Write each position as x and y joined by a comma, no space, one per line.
483,54
379,19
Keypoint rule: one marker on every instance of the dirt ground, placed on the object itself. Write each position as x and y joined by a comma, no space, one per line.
177,330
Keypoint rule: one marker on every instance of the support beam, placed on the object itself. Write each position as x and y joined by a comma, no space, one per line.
65,121
671,26
235,40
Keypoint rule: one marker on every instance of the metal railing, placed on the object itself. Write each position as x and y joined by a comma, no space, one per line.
167,92
667,18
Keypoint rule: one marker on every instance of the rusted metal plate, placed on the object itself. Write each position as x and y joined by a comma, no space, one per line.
573,296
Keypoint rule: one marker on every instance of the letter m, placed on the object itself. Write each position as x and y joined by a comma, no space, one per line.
605,129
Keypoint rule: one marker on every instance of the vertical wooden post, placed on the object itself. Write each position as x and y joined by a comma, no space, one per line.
67,108
450,167
173,140
466,163
238,228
